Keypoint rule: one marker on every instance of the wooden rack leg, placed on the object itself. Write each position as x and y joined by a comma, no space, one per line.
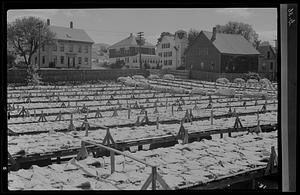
154,176
112,162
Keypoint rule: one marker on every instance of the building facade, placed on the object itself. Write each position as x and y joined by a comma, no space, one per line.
127,51
222,53
267,59
72,48
171,50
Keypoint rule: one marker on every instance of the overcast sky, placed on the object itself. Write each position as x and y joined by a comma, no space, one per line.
112,25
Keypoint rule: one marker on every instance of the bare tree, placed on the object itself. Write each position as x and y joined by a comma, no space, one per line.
162,35
192,35
243,29
27,35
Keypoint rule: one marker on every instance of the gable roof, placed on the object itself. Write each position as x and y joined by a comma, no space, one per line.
231,44
70,34
263,48
129,41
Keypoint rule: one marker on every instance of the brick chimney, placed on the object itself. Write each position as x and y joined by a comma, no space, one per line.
48,22
214,34
71,24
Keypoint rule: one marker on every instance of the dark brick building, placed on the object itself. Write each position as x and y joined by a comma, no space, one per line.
267,59
222,53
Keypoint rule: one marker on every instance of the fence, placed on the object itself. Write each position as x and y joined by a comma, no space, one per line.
52,75
19,76
212,76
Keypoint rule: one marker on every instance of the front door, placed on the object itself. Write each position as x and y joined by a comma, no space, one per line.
71,62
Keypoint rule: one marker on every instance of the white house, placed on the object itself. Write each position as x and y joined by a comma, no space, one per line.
127,50
171,50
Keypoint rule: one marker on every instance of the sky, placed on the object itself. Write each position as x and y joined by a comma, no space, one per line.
112,25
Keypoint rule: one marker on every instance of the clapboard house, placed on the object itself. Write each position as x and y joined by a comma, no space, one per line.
221,53
267,59
72,48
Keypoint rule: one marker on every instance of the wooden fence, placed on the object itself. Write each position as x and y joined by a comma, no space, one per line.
52,75
19,76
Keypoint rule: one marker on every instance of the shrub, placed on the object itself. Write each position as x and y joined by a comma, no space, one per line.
118,64
252,75
33,77
180,68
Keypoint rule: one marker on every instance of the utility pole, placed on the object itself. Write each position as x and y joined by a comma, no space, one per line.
140,35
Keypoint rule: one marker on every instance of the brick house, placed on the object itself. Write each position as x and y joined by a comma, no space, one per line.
221,53
72,49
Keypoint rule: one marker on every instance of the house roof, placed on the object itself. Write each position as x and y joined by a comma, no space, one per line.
70,34
130,41
169,38
232,44
264,48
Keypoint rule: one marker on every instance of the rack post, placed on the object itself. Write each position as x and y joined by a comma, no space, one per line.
115,113
154,176
272,161
98,114
129,111
179,107
58,117
112,162
42,117
83,153
71,125
211,117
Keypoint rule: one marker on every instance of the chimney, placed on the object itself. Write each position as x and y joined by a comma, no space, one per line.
48,22
213,37
71,24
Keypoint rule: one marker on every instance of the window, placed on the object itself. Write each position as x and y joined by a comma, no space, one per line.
62,48
170,53
43,59
268,55
35,60
202,65
62,59
165,62
86,49
86,61
271,66
170,62
79,60
55,47
79,48
212,66
70,48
